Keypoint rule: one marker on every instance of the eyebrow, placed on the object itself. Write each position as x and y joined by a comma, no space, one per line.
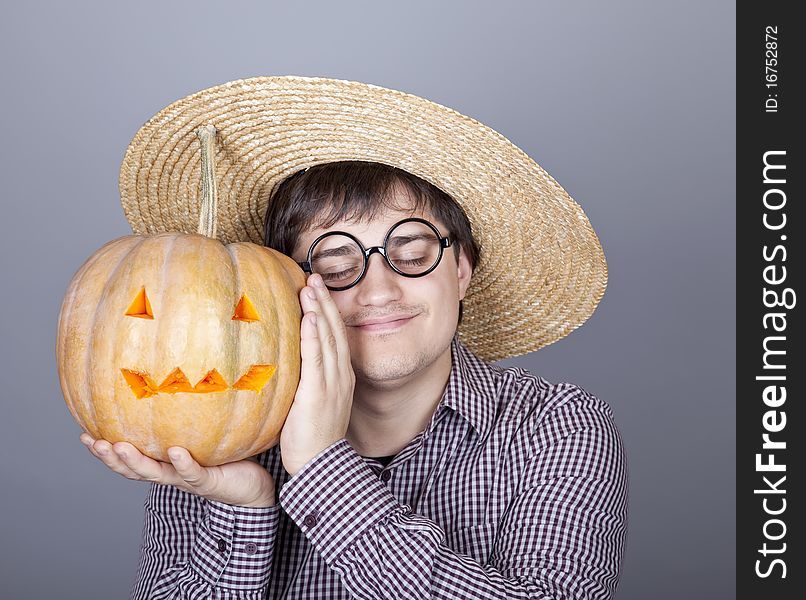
343,250
399,240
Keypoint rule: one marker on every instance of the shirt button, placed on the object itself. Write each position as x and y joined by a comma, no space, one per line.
386,476
222,546
309,521
250,548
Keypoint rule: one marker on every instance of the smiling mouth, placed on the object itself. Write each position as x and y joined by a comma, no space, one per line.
385,325
143,386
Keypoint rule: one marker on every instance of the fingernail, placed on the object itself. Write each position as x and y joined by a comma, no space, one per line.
311,295
174,454
317,281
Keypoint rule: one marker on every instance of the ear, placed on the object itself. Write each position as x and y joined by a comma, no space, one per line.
464,271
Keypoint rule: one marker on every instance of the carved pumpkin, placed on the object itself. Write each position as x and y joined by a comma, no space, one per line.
176,339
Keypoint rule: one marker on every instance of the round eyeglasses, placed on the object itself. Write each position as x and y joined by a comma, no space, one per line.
411,248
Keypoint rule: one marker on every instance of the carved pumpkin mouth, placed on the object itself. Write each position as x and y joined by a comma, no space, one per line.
143,386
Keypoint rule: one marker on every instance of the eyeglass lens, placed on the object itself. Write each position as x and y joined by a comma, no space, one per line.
411,248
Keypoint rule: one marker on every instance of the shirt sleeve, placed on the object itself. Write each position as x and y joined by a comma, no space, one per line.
197,548
561,536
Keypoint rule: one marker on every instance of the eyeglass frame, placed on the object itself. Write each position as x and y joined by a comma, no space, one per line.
444,242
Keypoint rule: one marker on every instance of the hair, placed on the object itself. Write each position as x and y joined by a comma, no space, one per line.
322,195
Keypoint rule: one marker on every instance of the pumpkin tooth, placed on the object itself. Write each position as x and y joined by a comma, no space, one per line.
142,385
176,382
256,378
212,382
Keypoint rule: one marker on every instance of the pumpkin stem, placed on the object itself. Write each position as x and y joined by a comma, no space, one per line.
209,204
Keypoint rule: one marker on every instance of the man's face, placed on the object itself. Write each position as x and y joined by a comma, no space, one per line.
396,326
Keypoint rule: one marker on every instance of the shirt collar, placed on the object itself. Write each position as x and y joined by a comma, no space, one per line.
471,389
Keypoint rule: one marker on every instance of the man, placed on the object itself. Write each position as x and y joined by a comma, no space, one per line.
407,467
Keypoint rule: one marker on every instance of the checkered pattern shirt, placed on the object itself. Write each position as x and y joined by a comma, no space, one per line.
517,488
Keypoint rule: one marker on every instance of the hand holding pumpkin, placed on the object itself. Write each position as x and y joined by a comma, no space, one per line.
319,416
320,413
241,483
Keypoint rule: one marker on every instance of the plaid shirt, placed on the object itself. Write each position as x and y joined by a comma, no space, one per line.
517,488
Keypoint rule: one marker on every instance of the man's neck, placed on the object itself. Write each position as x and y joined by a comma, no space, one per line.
386,418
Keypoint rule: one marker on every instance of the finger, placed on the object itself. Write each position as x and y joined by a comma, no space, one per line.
191,472
335,331
307,299
328,345
329,309
145,467
103,451
313,373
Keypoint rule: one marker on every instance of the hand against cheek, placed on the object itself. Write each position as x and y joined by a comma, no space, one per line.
321,410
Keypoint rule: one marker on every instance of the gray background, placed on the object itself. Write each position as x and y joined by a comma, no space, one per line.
628,104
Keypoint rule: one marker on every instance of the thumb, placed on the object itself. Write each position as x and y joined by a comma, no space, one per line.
191,472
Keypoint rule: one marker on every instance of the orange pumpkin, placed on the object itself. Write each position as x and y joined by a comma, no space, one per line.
176,339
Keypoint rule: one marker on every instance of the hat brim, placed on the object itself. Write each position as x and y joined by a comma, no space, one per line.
542,270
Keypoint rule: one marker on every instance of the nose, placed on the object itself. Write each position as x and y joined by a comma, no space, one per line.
380,285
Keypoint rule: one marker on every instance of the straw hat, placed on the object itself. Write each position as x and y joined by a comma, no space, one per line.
542,270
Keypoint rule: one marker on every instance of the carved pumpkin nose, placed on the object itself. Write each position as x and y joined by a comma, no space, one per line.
143,386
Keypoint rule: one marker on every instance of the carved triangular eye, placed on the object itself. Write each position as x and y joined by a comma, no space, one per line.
245,311
140,306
